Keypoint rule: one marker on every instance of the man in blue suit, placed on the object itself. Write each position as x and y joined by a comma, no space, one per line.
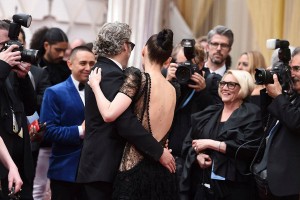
63,111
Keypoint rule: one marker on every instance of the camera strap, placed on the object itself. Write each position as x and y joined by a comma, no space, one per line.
186,100
263,163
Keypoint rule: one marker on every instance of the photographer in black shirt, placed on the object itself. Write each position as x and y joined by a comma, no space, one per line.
189,91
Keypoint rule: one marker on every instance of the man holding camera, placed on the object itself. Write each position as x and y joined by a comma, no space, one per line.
17,99
189,91
283,161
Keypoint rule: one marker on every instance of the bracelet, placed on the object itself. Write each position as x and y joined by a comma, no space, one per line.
219,146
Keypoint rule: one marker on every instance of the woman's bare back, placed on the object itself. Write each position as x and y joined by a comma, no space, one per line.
162,106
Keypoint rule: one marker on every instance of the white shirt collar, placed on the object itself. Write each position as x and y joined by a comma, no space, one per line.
76,83
116,62
221,71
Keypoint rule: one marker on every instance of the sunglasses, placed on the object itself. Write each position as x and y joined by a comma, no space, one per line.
132,45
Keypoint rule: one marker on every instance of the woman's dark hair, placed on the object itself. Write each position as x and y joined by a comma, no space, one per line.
160,46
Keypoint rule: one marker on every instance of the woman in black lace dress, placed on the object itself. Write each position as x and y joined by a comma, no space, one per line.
154,100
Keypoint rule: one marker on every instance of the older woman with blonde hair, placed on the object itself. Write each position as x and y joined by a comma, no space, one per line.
222,143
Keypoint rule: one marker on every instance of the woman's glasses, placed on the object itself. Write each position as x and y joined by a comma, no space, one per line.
230,85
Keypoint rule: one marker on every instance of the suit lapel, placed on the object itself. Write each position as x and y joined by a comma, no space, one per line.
74,92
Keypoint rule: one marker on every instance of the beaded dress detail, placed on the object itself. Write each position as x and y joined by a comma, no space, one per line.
139,177
137,86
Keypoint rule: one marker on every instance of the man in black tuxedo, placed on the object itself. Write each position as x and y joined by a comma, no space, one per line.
104,142
17,99
283,160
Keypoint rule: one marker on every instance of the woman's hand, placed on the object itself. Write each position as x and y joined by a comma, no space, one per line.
200,144
204,160
14,179
95,78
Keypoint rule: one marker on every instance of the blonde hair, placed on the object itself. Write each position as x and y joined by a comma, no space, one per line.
255,60
245,81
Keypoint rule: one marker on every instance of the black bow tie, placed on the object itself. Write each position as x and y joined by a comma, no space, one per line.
81,86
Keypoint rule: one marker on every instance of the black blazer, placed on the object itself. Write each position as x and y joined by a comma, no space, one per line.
284,154
104,142
41,80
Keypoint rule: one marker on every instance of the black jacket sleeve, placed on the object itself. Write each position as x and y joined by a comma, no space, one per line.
287,113
27,94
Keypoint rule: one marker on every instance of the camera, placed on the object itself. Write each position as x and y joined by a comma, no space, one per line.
186,69
27,55
281,68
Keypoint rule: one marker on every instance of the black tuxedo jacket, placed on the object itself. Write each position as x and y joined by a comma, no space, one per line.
284,154
104,142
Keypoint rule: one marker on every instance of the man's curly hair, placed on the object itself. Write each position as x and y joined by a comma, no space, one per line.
110,39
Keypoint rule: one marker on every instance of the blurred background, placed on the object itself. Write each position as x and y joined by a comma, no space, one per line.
252,21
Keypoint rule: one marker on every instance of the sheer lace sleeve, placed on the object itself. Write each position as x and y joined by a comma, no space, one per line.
132,82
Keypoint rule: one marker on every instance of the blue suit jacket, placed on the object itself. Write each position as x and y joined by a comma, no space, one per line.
63,111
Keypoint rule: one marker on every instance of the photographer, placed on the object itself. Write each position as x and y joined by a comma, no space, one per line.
283,159
185,104
17,99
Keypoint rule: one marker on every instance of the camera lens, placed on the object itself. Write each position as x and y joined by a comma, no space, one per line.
30,56
263,76
183,74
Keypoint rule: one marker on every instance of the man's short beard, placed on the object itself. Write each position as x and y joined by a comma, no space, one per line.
217,62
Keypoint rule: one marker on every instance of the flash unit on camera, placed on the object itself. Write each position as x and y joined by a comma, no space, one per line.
276,43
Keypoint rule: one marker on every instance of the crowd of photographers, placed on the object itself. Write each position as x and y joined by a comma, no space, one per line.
198,69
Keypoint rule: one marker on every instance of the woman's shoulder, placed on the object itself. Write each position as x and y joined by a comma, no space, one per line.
207,112
251,107
248,112
132,82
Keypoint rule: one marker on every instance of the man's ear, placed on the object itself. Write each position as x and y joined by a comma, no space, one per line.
69,63
125,46
46,45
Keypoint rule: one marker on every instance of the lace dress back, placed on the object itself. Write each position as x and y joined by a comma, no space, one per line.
137,86
139,177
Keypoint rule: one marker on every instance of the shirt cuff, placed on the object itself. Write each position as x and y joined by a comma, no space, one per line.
81,132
